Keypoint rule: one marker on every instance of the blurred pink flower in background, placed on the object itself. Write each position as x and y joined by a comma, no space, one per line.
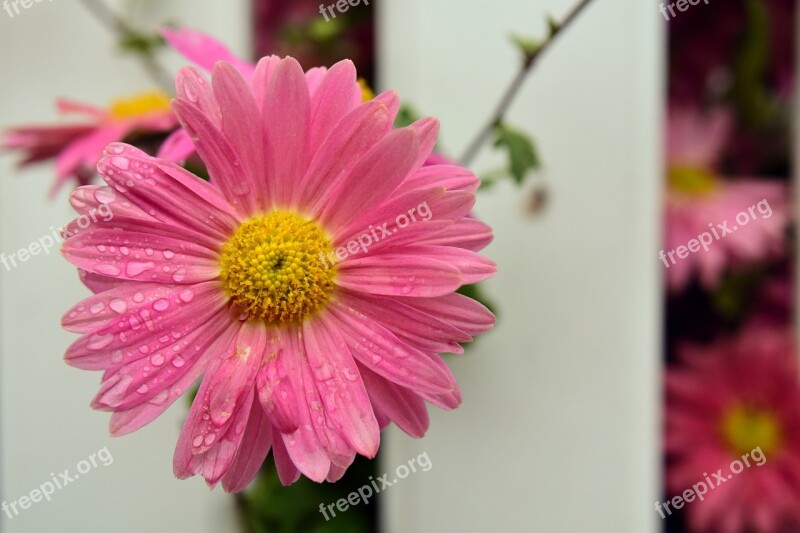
78,147
699,198
723,401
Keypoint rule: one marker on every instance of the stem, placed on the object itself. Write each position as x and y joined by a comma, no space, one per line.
117,25
527,65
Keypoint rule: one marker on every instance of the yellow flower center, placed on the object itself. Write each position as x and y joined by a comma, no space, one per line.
140,105
367,93
274,267
745,428
691,181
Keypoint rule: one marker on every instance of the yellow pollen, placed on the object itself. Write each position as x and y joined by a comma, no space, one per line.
140,105
744,429
367,93
273,267
691,181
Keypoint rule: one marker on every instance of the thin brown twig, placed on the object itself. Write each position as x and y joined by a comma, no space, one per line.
508,97
117,25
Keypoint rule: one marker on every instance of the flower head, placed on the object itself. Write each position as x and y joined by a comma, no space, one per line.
78,147
700,201
737,398
311,281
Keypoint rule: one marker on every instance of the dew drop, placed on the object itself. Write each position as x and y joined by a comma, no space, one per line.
118,305
179,275
105,195
135,268
98,341
121,163
107,269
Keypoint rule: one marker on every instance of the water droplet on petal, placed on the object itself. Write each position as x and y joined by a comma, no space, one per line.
178,361
118,305
134,268
179,275
98,341
105,195
107,269
186,296
161,305
121,163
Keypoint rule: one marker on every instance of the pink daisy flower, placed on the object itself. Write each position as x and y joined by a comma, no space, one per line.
78,147
725,401
699,200
295,282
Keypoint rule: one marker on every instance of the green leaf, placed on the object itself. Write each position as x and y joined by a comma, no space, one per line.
476,292
750,91
522,154
527,45
140,43
406,116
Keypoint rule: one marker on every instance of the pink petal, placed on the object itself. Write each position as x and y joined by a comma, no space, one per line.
339,384
287,471
338,93
287,114
168,192
461,311
373,178
402,406
452,177
386,355
164,312
242,126
178,147
399,274
419,329
356,133
428,131
215,426
192,86
275,391
252,452
203,50
218,155
141,257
